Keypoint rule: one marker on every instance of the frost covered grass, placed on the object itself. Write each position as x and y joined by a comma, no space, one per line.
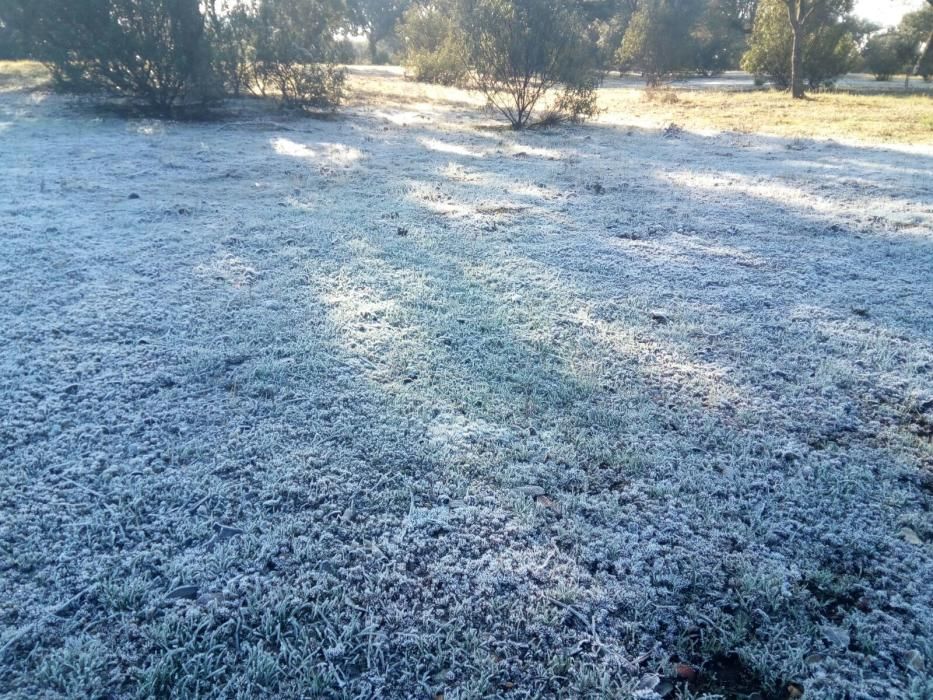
398,405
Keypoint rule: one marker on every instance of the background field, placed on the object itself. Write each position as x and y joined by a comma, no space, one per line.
402,404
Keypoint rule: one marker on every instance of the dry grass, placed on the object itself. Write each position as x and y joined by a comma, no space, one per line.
386,87
19,75
878,118
870,118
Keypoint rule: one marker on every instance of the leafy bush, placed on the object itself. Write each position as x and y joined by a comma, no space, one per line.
828,48
519,51
296,53
154,51
575,103
432,51
168,54
233,42
658,41
719,36
887,54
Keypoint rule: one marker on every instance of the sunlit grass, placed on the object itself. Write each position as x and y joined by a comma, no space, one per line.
886,118
20,75
875,118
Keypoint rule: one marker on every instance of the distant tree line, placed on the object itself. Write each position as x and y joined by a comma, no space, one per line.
535,60
793,44
907,48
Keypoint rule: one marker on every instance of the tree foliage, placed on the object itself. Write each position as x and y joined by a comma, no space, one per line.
12,46
431,45
888,54
917,29
663,38
296,52
153,50
171,54
658,41
377,19
827,48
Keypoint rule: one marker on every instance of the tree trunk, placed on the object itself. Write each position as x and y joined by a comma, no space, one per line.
373,46
796,60
922,58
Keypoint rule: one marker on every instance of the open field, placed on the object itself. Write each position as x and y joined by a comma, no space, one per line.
399,405
710,105
863,110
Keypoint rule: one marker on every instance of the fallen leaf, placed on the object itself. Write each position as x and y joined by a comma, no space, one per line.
548,502
188,591
685,671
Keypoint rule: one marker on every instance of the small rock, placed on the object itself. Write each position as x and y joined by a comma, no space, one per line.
910,536
658,317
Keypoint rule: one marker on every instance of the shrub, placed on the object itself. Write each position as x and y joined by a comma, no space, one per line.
295,52
432,52
575,104
519,51
888,54
233,41
658,41
153,51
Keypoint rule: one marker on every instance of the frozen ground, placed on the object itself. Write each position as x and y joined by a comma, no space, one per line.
395,406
